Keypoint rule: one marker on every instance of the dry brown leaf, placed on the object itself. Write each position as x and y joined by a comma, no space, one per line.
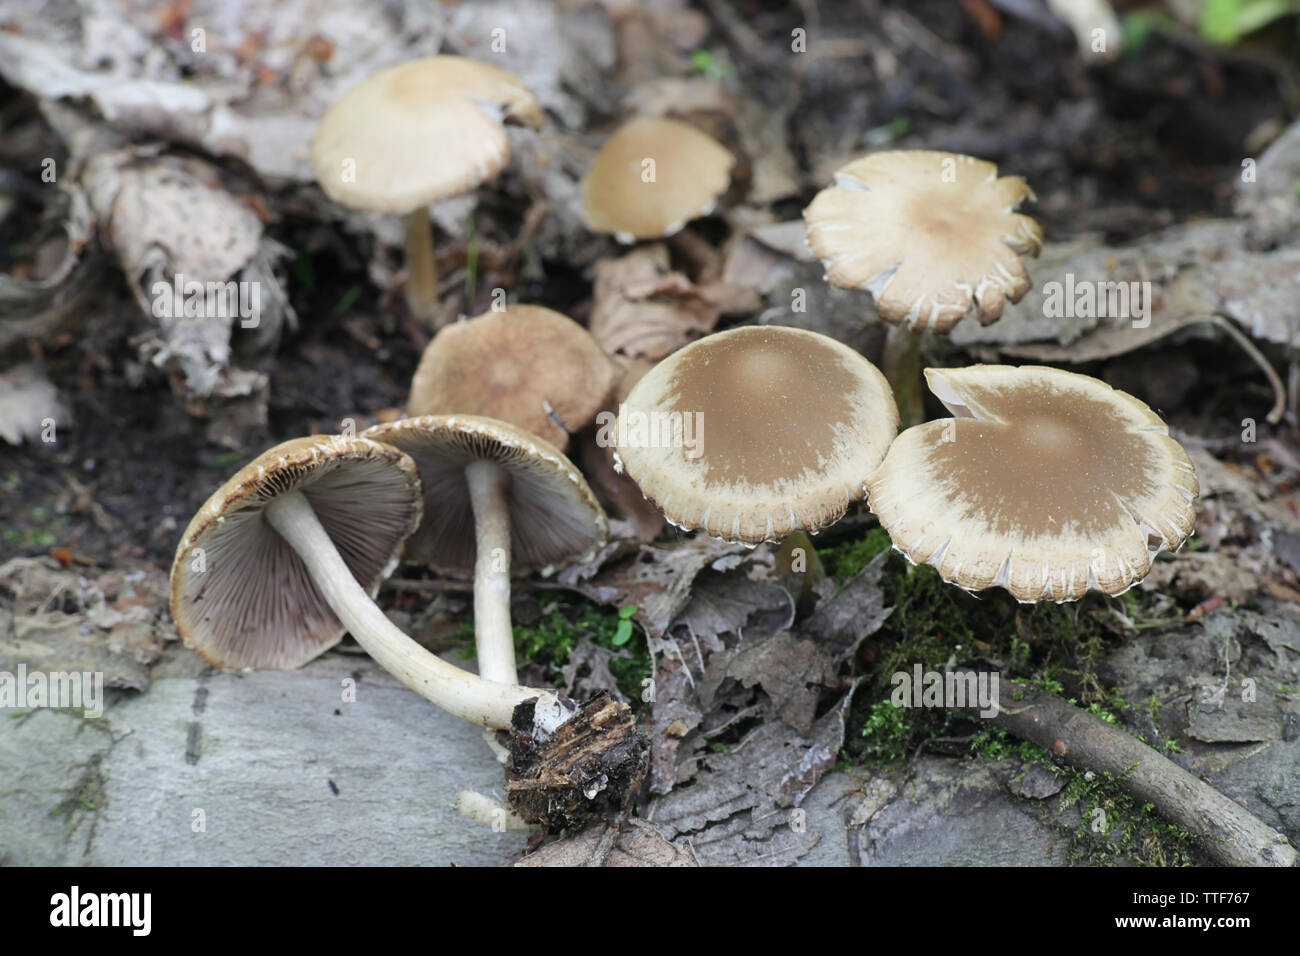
638,844
53,619
644,309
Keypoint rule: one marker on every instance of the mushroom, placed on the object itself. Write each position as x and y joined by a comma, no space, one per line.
287,555
415,134
526,365
495,498
930,235
1046,483
756,432
652,176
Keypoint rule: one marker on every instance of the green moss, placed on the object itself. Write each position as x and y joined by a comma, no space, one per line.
41,530
1113,825
885,734
994,743
938,626
564,621
845,560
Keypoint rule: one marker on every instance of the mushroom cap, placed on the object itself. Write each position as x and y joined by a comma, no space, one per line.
927,234
756,432
554,516
510,365
419,132
691,170
248,600
1047,483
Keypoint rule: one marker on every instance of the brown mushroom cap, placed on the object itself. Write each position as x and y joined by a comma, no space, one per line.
927,234
1047,483
789,422
247,600
419,132
510,365
554,517
691,170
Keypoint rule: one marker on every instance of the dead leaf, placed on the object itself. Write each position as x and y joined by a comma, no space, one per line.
740,809
638,843
53,619
657,579
644,309
590,655
847,614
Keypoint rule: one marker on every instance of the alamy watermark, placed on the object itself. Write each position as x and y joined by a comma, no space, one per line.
949,689
192,299
1086,299
133,911
637,429
74,689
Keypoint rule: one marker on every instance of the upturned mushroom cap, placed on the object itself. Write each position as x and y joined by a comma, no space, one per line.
756,432
927,234
419,132
510,366
554,516
245,599
1047,483
690,170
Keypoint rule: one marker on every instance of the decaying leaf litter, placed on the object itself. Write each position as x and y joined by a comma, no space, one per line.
172,159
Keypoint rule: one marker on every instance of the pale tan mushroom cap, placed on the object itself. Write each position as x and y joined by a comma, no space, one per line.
1047,483
419,132
756,432
511,365
927,234
554,516
241,596
690,171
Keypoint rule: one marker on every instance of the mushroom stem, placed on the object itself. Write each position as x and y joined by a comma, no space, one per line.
901,363
488,487
458,692
422,266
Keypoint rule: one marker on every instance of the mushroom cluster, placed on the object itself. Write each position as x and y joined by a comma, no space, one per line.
1044,482
287,555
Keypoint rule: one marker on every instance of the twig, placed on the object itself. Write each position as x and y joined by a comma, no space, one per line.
1228,832
608,840
1275,380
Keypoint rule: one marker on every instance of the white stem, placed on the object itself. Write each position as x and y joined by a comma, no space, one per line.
489,486
458,692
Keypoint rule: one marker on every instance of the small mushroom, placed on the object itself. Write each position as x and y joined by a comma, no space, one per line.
526,365
652,176
287,555
930,235
756,432
496,498
415,134
1046,483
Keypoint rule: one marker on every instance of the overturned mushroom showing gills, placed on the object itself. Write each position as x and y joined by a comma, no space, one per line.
415,134
496,498
652,177
1047,483
525,365
286,556
756,432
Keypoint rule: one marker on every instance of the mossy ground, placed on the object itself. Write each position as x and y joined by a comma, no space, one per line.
1053,647
565,619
